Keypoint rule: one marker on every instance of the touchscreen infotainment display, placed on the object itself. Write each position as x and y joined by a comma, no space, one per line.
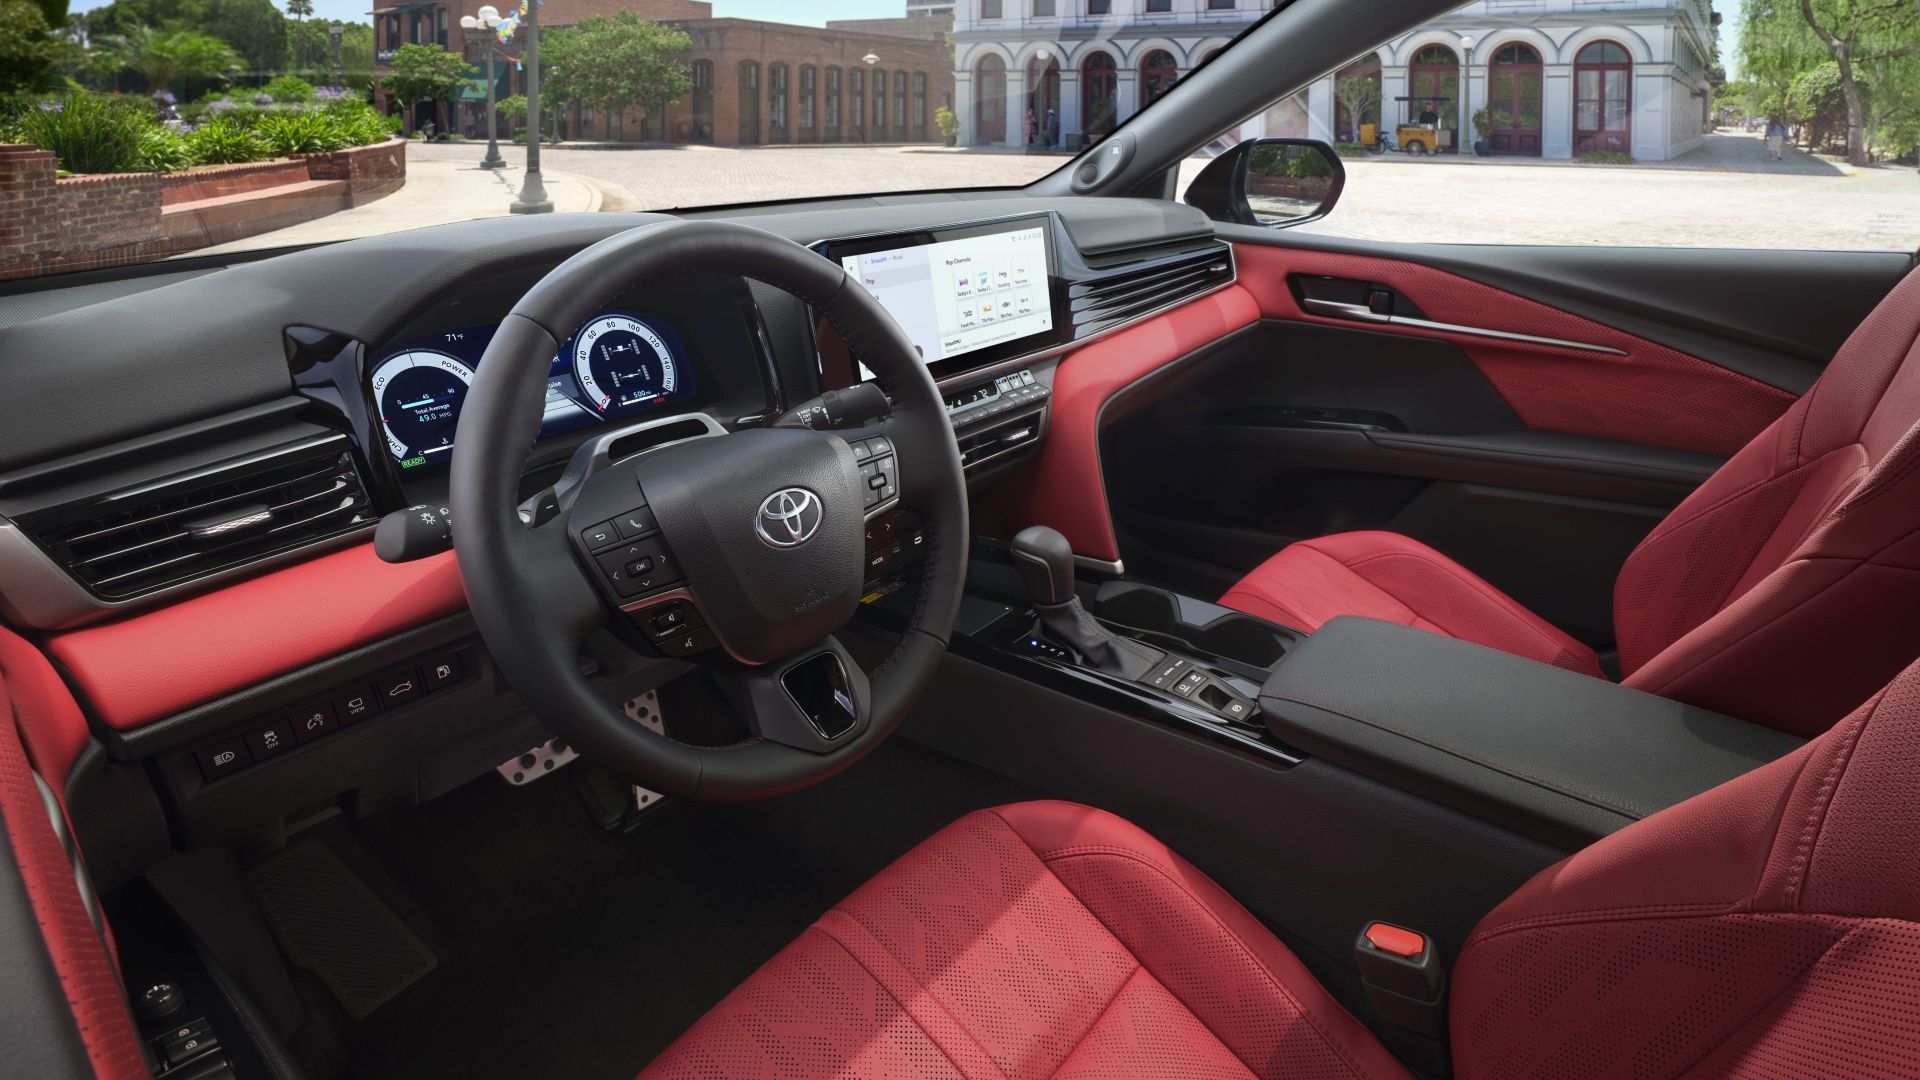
954,297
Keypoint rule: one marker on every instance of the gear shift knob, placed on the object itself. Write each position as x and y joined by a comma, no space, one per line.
1045,561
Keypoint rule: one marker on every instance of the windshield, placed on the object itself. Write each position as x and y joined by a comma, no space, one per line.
145,129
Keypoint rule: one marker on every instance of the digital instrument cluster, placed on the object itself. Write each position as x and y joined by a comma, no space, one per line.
617,365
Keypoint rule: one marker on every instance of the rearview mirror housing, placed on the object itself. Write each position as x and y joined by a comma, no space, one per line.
1276,183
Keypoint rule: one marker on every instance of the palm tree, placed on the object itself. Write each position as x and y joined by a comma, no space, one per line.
164,57
300,9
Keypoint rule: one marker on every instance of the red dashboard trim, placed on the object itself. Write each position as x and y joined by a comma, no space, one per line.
1064,487
157,663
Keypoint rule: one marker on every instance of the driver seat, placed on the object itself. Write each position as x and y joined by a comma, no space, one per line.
1770,926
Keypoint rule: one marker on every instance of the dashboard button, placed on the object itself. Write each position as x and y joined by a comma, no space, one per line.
270,740
438,671
600,536
355,705
692,641
223,758
635,524
313,721
394,688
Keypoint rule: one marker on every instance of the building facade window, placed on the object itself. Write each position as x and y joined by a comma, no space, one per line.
833,103
1220,5
1159,6
809,89
1346,126
900,105
1157,74
989,9
879,125
857,103
1602,99
777,102
1514,81
919,106
1099,7
1043,8
1099,95
749,103
990,102
700,127
1433,81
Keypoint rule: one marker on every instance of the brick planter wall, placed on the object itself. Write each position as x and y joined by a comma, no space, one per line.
50,225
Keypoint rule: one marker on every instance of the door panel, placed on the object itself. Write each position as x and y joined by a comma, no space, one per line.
1539,466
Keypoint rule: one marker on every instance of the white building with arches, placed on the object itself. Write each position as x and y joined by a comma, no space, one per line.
1558,78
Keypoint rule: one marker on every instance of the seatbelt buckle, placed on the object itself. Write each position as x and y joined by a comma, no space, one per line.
1404,979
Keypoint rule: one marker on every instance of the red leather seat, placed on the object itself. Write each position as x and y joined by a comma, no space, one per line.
1781,591
1769,927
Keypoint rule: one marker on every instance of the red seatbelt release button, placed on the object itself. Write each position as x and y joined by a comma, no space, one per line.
1396,940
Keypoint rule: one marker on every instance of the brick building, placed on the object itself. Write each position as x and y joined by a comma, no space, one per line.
753,82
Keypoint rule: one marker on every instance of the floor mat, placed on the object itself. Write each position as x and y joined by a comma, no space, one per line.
568,951
334,926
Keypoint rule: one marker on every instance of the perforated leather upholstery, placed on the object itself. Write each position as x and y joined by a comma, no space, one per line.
1781,591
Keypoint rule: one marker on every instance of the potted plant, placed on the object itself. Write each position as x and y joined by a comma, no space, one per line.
948,124
1482,128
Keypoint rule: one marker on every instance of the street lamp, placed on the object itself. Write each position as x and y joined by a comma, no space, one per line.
533,194
1466,91
479,31
870,59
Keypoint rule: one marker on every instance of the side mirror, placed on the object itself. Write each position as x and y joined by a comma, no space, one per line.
1271,182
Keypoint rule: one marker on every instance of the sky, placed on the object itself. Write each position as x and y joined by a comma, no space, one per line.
805,12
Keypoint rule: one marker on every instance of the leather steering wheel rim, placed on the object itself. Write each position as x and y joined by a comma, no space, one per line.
535,602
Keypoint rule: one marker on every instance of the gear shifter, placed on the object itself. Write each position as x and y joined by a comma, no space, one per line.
1045,561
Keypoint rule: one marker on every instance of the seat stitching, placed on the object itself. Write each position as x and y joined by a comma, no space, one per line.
1479,586
904,1011
931,994
1279,985
1823,801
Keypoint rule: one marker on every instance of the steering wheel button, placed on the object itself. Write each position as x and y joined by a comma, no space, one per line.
692,641
635,524
862,449
880,446
877,481
640,567
600,536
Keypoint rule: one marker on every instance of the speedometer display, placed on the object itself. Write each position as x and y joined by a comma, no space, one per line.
419,394
623,364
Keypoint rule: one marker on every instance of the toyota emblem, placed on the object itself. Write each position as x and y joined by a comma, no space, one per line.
789,517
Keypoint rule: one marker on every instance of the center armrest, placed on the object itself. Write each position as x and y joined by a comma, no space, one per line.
1564,757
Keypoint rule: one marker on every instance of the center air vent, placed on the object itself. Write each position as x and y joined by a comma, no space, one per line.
1135,288
142,539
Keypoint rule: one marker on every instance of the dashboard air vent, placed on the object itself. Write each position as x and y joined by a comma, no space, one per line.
141,539
1147,284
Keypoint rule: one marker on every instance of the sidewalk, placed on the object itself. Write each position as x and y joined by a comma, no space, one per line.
1721,151
437,192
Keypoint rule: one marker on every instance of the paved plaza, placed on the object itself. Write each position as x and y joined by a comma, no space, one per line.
1729,194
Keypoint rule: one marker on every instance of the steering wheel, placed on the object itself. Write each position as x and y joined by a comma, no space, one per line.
762,531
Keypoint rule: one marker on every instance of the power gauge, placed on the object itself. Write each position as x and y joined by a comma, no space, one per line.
419,393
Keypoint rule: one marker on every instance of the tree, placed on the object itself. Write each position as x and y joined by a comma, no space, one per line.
615,63
254,28
1357,93
312,44
424,72
1860,32
27,46
165,58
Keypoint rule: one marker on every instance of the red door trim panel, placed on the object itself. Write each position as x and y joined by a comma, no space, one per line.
1064,488
157,663
1651,394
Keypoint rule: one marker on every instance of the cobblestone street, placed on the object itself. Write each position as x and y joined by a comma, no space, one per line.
1728,197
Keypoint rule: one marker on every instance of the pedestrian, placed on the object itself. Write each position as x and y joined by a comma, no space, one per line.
1429,115
1776,136
1053,128
1031,126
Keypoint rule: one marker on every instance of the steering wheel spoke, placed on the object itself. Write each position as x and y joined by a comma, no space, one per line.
818,700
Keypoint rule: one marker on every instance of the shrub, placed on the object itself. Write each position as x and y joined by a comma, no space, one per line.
164,150
221,141
1350,149
300,133
289,90
88,133
1605,157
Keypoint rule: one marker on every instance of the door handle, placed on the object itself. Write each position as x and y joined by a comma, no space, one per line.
1362,313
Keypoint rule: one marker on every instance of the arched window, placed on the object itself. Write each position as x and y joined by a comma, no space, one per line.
1356,99
809,89
900,106
777,103
879,125
919,106
856,104
833,104
1433,81
749,103
990,101
1158,70
1514,80
1602,99
1099,95
701,126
